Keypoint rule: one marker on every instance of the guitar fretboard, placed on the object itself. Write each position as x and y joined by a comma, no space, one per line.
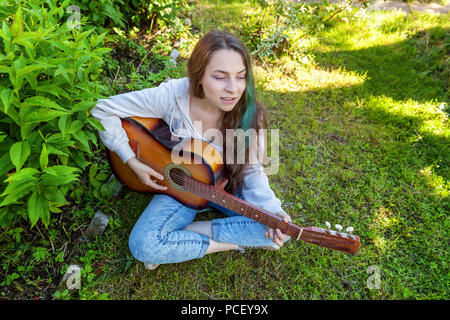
240,206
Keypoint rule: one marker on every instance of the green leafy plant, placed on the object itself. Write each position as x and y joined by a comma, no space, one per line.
48,83
105,13
155,13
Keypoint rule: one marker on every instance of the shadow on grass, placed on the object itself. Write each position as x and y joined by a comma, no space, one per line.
414,69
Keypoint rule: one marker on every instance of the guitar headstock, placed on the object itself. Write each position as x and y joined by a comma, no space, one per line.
334,239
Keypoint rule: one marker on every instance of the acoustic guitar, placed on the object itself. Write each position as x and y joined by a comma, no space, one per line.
193,175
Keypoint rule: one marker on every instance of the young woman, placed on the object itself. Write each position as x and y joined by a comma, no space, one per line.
220,93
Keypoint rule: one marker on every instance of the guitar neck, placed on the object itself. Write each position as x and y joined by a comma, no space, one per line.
226,200
326,238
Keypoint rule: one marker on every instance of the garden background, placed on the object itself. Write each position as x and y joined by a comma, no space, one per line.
360,97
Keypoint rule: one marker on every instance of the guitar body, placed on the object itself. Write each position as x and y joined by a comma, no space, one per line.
151,141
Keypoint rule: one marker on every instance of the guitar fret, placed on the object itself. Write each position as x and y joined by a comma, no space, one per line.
256,215
269,222
235,206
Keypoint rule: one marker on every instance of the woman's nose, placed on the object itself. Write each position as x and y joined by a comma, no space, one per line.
231,86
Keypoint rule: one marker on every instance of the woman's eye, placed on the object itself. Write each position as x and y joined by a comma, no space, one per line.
223,78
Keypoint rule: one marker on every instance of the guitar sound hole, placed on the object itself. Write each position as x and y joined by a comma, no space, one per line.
177,176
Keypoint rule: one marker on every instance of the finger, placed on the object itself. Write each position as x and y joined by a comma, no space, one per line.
287,219
156,174
280,238
152,183
270,233
158,186
273,236
278,241
280,235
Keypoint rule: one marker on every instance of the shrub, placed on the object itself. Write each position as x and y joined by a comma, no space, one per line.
101,13
48,84
154,13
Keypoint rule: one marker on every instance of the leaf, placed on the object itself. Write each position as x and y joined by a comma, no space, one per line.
26,129
62,124
64,72
38,208
95,41
4,69
75,126
81,61
19,153
95,123
5,163
102,176
58,140
22,175
18,188
78,157
42,102
24,70
29,35
59,152
17,26
59,175
92,170
6,97
43,159
84,105
55,195
81,137
43,115
52,89
6,33
19,63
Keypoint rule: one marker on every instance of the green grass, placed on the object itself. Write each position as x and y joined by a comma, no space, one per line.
363,143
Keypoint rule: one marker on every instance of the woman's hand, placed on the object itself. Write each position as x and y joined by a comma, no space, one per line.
276,235
146,174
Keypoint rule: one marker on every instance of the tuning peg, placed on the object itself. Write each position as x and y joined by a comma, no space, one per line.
328,224
349,229
338,227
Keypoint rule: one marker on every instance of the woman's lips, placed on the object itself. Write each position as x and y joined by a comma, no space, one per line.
228,100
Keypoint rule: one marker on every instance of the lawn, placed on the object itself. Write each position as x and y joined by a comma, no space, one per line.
362,115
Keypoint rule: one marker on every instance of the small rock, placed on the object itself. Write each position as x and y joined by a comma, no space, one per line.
98,224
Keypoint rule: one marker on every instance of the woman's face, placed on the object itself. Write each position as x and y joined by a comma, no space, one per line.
224,79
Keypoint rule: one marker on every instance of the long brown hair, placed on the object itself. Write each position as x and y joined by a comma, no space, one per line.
248,112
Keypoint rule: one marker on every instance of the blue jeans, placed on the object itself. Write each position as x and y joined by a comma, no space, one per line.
158,236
